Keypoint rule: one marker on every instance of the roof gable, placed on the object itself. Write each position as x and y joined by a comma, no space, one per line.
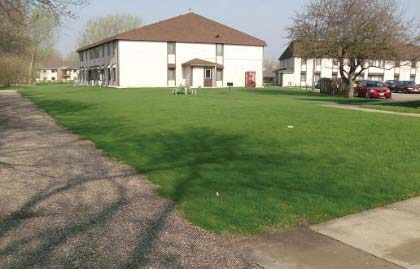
293,50
188,28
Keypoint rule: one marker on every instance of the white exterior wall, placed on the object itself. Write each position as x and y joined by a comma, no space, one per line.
240,59
143,64
326,69
188,51
48,75
198,77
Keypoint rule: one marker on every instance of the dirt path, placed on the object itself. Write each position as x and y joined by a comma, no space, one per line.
64,204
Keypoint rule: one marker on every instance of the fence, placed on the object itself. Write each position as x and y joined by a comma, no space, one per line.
333,87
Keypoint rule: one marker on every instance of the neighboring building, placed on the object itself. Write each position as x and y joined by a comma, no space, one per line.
188,50
269,76
58,71
47,74
296,70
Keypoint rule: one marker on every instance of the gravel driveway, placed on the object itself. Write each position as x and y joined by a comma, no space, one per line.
64,204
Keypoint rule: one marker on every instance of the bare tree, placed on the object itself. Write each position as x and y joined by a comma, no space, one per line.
59,8
103,27
26,25
13,69
351,31
270,63
41,26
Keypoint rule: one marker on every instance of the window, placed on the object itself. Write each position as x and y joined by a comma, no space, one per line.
111,45
219,49
335,62
374,84
108,50
413,77
376,77
171,48
53,78
53,70
378,63
413,64
171,74
396,77
207,73
318,61
303,62
303,77
334,76
219,74
114,74
81,56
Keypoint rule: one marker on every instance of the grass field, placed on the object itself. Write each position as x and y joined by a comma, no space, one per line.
237,143
406,107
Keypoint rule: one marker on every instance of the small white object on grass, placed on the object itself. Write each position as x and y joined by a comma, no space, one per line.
217,194
290,126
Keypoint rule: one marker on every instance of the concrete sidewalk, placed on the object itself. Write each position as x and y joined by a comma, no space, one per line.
387,237
391,233
359,108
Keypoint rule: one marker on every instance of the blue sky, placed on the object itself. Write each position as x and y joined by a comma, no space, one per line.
265,19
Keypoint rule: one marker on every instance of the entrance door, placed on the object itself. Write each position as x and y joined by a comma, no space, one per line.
208,77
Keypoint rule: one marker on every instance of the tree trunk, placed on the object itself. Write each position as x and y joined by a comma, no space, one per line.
351,87
31,65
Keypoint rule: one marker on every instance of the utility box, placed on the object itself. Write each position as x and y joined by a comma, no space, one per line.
250,79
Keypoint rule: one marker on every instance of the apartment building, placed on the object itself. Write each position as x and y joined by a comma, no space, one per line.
296,70
188,49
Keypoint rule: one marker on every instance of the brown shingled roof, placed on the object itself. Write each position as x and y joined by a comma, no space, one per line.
293,50
201,62
406,52
188,28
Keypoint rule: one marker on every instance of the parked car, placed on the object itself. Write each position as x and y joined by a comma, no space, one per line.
407,87
391,84
372,89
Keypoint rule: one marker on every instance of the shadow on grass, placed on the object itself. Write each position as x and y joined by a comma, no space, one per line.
191,165
64,107
405,104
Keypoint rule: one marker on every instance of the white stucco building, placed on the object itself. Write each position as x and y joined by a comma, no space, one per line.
296,70
58,71
188,50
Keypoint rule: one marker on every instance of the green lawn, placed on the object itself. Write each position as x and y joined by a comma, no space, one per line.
332,163
406,107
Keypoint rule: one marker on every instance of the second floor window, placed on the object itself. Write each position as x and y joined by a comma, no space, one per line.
219,49
318,61
171,48
303,62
